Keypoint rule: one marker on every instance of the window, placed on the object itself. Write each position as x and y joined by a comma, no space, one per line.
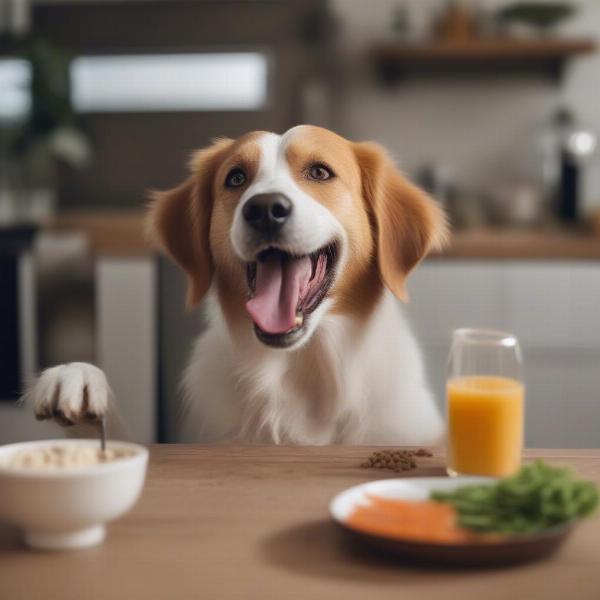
15,75
170,82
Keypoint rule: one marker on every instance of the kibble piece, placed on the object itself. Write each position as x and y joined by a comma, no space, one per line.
395,460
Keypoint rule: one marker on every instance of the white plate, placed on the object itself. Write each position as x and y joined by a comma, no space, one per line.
407,488
505,550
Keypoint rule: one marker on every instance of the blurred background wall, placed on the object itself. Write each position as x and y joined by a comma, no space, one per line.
484,130
130,156
493,111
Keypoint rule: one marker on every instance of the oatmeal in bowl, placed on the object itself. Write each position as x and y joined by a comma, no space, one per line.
63,457
62,492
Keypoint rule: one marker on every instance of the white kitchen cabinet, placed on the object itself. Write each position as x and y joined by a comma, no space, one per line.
585,305
554,304
439,302
538,302
554,309
563,398
126,315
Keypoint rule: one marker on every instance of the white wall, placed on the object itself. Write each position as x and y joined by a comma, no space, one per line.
483,130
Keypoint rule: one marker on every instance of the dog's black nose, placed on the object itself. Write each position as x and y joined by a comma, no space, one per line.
267,212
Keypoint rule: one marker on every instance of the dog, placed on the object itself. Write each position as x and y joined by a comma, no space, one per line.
300,245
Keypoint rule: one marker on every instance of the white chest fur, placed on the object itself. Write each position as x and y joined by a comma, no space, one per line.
354,382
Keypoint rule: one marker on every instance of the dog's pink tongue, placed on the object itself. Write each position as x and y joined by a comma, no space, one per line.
279,283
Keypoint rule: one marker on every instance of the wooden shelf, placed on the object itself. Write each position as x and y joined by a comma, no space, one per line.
491,56
515,244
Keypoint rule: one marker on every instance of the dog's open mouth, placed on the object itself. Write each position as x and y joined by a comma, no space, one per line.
285,289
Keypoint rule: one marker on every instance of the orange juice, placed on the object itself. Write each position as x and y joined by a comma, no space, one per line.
485,421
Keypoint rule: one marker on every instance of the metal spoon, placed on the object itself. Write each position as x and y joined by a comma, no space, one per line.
103,434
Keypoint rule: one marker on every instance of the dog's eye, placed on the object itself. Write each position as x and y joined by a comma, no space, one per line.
320,172
235,178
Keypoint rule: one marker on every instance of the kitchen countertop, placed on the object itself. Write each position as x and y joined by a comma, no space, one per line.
252,522
122,233
523,244
116,233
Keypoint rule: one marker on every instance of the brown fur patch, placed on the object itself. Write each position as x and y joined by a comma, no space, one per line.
407,222
180,219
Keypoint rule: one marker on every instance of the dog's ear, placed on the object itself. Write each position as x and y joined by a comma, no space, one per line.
180,220
407,223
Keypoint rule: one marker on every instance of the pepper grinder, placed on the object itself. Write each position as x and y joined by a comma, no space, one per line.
574,145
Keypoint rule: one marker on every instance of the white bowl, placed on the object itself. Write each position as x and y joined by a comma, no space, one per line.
67,507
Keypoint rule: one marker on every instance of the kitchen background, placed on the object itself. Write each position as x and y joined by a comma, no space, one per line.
491,105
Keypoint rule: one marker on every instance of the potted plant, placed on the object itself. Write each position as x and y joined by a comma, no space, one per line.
534,16
50,135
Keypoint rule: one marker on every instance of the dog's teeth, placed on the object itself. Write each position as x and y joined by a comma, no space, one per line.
299,320
314,260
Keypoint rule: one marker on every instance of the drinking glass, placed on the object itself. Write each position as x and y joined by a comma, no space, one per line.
485,403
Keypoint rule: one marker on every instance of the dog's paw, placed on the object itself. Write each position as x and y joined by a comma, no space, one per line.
71,393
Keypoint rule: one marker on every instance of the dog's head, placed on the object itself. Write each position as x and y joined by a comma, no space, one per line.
292,226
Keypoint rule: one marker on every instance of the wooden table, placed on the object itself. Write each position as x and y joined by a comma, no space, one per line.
252,522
